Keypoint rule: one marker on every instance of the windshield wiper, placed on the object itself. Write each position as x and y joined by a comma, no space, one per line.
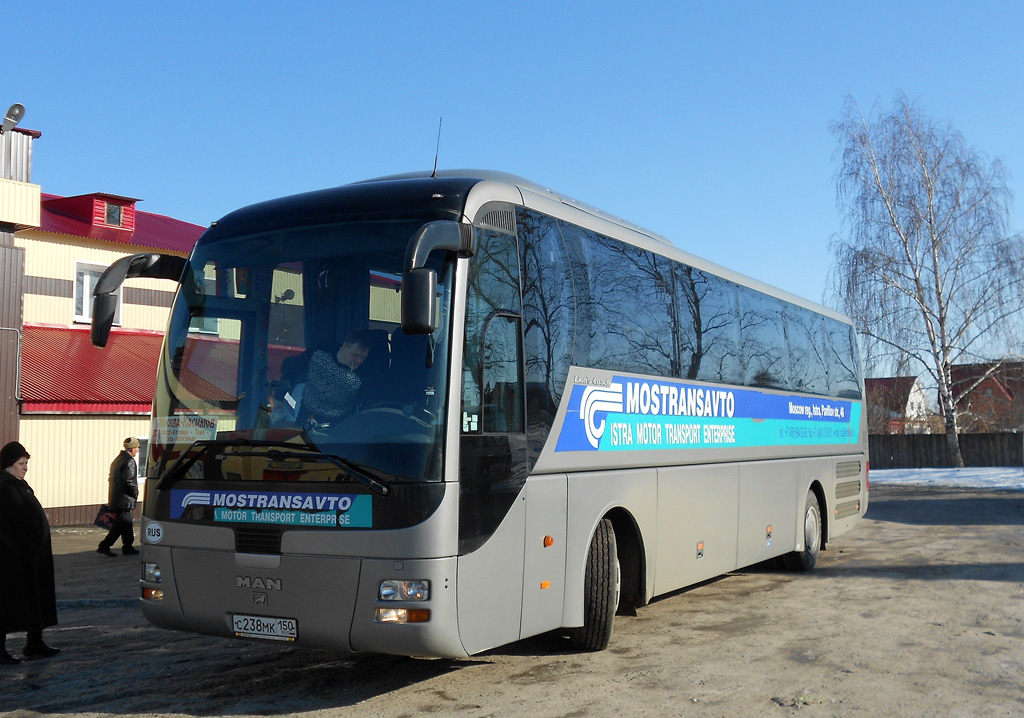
190,456
357,472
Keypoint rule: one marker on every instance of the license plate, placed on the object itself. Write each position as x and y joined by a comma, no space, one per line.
267,627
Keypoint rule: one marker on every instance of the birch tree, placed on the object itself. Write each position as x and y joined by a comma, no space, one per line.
926,268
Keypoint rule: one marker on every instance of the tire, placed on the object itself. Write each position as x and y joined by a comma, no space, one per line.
600,592
805,560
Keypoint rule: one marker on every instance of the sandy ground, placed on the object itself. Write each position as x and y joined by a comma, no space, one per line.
917,612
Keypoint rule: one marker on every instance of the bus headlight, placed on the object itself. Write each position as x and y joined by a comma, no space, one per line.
396,590
151,573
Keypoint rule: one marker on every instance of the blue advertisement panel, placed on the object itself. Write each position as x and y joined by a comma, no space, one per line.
626,414
280,508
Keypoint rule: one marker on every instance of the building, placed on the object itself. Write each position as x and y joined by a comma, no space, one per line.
19,207
896,405
993,396
68,402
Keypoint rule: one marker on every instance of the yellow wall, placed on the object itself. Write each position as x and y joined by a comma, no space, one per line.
53,256
71,455
19,202
385,305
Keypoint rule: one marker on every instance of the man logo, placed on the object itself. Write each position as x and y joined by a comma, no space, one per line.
265,584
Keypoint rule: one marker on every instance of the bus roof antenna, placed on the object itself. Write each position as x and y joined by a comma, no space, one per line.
437,150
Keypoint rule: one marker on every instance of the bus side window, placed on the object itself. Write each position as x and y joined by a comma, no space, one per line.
492,304
503,401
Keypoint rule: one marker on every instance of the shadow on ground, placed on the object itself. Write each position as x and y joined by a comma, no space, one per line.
940,507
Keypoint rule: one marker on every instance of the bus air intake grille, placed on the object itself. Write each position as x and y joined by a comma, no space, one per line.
846,469
257,540
847,489
498,218
850,508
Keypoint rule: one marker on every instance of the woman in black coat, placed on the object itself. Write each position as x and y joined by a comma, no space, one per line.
28,600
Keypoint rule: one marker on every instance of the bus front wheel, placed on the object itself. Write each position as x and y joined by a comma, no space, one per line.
600,591
806,559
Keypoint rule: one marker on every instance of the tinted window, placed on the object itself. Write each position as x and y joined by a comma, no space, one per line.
763,354
844,361
628,307
639,312
493,289
502,398
708,326
549,309
807,342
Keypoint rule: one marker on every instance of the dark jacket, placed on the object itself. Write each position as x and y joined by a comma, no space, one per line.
28,599
124,483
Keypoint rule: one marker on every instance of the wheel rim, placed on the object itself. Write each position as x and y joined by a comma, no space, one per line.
811,530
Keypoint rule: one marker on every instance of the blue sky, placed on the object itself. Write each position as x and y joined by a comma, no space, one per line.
704,122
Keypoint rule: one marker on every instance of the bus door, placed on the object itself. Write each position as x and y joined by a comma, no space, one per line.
493,450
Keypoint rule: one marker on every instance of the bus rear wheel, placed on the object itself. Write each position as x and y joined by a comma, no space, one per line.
600,591
806,559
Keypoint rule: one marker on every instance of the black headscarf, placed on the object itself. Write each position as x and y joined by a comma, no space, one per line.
11,452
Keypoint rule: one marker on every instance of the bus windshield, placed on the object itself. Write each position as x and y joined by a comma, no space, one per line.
285,361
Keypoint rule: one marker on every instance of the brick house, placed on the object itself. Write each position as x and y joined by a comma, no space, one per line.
996,404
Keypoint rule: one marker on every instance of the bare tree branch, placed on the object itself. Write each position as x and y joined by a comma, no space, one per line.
927,271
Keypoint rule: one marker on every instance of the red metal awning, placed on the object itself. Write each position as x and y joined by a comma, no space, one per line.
63,373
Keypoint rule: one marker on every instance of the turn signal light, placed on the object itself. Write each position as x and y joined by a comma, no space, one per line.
152,594
403,615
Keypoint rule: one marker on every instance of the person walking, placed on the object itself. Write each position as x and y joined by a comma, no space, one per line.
28,596
124,491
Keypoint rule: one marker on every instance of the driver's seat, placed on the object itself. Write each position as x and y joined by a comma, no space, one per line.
408,375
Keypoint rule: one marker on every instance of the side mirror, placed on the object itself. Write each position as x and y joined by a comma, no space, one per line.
103,308
419,301
104,300
419,284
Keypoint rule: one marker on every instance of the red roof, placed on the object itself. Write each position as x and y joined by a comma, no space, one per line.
62,372
891,393
1006,379
60,215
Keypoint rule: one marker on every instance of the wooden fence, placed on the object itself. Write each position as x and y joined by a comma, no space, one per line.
922,451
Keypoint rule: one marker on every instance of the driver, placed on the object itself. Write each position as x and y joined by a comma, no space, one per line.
332,384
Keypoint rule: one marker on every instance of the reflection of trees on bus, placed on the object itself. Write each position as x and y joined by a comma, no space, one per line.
762,355
549,313
592,301
809,351
627,315
490,365
843,361
707,326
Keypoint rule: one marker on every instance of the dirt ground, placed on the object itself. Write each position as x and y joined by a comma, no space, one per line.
917,612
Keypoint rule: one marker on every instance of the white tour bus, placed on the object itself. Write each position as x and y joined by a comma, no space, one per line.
559,416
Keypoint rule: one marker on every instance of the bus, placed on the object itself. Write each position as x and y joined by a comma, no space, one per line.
559,416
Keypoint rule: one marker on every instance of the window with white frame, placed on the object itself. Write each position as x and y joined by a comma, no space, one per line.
143,456
203,323
114,214
86,276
